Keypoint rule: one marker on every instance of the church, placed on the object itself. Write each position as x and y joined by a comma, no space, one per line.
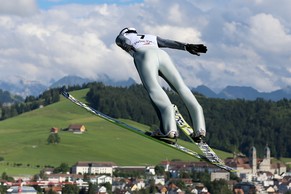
252,165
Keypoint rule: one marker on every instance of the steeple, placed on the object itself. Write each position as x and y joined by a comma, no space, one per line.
265,165
267,153
253,160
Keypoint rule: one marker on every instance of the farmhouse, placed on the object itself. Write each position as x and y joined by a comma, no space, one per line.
54,130
76,128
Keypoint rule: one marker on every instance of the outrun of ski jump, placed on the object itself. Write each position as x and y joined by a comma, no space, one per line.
151,63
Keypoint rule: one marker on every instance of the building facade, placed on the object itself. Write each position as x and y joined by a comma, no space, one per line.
93,168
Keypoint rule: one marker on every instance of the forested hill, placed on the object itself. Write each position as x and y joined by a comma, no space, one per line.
232,125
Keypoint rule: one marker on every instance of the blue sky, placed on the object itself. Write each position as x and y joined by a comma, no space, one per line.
47,4
248,40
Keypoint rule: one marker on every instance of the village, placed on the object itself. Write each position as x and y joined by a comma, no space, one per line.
254,175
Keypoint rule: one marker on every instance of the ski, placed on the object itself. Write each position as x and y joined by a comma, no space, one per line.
166,142
203,146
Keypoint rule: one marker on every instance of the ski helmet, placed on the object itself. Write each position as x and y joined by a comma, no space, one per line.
128,30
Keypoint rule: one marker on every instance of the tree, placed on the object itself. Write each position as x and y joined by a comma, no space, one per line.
159,170
53,138
51,192
200,176
70,189
92,188
6,177
218,186
3,188
63,168
152,186
37,188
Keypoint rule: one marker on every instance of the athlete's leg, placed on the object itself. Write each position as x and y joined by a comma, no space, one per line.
147,64
172,76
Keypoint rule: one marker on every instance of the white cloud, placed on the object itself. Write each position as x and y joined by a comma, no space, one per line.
18,7
175,13
248,42
267,33
176,33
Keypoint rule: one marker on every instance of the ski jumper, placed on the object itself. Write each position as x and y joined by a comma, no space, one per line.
152,62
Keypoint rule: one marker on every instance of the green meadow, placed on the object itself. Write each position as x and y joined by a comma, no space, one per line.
24,147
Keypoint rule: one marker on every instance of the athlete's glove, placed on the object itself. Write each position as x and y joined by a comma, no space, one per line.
195,49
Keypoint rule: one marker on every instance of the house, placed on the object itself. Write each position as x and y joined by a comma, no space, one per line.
55,188
186,181
48,170
245,187
76,128
102,190
241,163
220,175
100,179
59,178
137,185
271,189
163,190
173,189
54,130
118,183
159,180
176,167
83,167
140,169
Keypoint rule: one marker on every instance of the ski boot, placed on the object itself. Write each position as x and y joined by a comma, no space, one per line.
158,134
198,137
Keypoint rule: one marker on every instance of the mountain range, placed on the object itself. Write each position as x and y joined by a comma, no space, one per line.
244,92
24,88
20,88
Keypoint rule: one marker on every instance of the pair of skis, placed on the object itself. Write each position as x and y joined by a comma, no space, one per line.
209,154
203,146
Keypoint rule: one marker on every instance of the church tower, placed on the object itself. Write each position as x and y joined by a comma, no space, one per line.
267,154
266,163
253,160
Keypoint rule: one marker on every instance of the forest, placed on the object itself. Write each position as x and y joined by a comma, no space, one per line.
232,125
30,103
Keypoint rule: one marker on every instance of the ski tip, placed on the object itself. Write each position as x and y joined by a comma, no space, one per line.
64,92
63,89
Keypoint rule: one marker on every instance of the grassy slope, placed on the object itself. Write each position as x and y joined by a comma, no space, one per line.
23,139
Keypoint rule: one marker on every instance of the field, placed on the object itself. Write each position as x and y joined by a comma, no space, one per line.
24,147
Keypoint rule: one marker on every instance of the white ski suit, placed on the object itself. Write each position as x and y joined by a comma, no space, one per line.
152,62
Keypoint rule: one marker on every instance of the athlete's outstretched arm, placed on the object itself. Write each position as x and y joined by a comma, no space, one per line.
170,44
194,49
